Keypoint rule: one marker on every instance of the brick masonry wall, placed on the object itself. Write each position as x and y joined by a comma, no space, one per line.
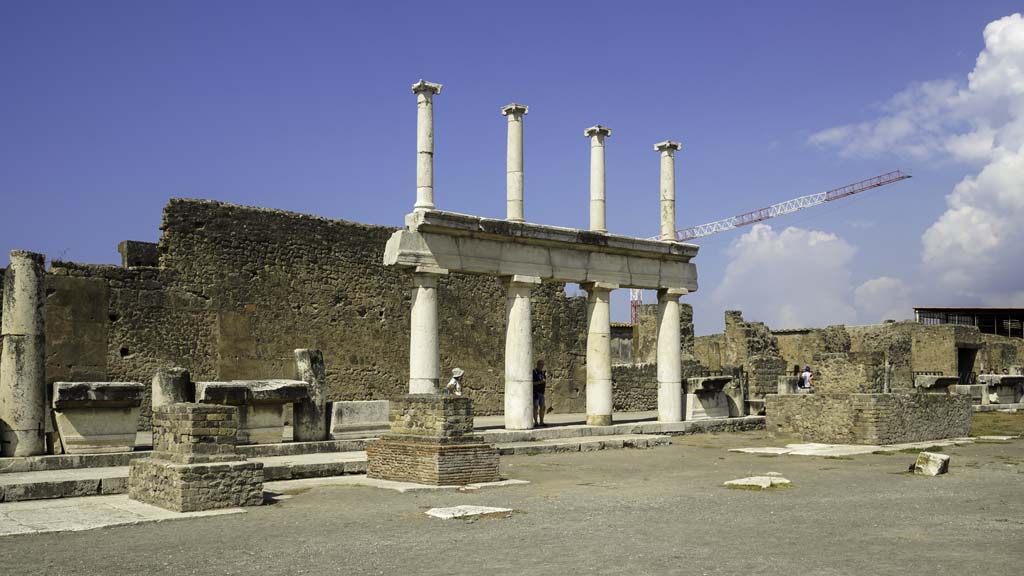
869,418
851,372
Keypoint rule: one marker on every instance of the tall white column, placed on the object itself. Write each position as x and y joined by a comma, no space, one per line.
424,351
519,353
514,161
597,134
670,382
23,357
424,92
599,354
668,187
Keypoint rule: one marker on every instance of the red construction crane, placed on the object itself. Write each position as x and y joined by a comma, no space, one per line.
762,214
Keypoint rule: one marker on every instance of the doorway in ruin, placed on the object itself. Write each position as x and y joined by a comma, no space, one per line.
965,364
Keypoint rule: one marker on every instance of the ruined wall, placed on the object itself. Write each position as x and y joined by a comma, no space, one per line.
849,372
634,387
869,418
238,289
645,333
1000,353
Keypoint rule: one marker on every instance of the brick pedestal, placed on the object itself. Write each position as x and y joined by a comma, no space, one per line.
194,465
432,442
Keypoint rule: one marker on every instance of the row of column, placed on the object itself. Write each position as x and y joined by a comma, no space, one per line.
424,351
425,92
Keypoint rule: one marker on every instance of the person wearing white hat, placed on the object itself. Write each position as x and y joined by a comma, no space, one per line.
454,386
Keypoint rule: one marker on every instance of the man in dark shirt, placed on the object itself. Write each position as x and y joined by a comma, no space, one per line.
540,383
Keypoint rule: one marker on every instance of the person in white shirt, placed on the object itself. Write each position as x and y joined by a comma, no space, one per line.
454,386
805,378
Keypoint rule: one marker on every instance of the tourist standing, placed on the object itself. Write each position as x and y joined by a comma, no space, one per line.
540,384
454,386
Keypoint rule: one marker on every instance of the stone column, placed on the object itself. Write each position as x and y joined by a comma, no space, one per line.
599,354
424,92
519,354
424,352
597,134
670,389
514,161
311,413
668,188
23,360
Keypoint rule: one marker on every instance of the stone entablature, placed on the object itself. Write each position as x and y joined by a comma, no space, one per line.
97,417
869,418
432,442
194,465
453,242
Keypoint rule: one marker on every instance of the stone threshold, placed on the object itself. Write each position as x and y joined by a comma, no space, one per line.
70,483
840,450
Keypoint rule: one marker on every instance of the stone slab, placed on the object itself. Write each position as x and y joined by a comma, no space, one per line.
358,419
77,514
401,487
758,482
466,511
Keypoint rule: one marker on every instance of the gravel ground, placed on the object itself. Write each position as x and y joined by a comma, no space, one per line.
656,511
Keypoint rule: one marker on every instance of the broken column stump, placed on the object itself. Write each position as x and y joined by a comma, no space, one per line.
432,442
194,465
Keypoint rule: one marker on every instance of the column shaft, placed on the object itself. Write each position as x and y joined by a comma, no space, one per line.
519,354
425,92
668,188
597,185
514,162
599,355
670,392
23,359
424,352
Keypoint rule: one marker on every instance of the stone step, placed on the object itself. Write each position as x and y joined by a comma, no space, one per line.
39,485
67,483
586,444
77,461
501,436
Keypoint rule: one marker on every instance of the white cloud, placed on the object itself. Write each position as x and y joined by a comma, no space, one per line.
975,248
883,298
788,279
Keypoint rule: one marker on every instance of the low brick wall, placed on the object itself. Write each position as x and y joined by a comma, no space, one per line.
869,418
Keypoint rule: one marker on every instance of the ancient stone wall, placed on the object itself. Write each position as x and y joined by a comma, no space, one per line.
850,372
869,418
238,289
645,333
634,387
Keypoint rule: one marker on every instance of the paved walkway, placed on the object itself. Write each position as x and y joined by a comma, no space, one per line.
837,450
75,514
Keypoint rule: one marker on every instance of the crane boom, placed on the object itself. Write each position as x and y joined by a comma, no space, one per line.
780,209
789,206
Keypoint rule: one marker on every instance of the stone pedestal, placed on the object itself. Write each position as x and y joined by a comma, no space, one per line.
194,465
935,384
260,404
706,399
359,418
97,417
1005,388
432,442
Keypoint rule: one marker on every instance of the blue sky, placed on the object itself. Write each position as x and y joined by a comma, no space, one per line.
110,108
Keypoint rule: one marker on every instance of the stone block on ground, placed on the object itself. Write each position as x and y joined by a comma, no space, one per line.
97,417
759,482
466,511
194,465
931,464
359,419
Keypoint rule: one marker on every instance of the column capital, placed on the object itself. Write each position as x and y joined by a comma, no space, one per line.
430,271
519,280
668,146
427,87
597,130
599,286
672,292
514,110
